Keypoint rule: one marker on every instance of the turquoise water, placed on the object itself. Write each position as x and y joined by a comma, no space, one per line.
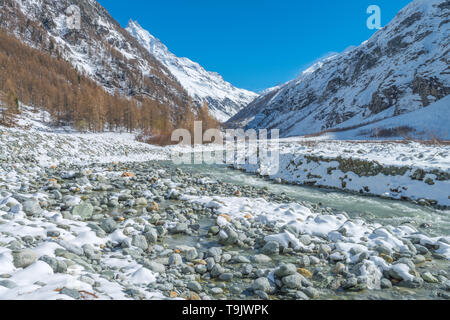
372,209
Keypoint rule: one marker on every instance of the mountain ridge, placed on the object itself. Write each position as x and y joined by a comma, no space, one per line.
401,68
101,48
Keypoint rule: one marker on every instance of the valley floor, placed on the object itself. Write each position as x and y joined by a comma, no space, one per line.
102,217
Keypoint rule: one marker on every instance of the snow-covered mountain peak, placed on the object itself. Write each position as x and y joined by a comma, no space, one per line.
148,41
224,100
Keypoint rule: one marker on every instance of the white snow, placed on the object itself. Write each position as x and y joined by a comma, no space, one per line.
224,100
338,91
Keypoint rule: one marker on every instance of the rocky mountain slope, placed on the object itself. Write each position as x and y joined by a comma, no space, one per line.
100,48
402,68
223,99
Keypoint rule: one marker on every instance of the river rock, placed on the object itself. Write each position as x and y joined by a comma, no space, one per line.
428,277
261,259
385,283
175,259
191,254
32,207
311,292
73,248
108,225
217,270
58,266
262,284
194,286
293,281
8,284
140,241
71,293
155,266
304,261
179,228
152,236
271,248
285,270
24,258
84,210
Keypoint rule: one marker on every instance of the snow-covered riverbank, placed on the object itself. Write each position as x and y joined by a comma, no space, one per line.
409,171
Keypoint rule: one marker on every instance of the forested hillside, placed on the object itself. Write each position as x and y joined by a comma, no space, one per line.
95,79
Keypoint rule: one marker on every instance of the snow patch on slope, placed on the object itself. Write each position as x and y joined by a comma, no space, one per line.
401,69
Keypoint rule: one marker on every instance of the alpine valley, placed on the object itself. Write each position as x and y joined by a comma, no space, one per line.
353,202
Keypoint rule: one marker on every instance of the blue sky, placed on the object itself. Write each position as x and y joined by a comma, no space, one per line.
254,44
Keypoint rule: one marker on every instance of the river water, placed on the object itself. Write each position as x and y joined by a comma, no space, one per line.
372,209
431,221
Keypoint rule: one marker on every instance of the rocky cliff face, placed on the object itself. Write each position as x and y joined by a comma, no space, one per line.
100,48
402,68
223,99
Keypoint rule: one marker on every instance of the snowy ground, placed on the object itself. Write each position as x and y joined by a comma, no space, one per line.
26,156
50,146
411,171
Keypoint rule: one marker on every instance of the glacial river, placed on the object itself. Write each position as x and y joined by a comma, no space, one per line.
428,220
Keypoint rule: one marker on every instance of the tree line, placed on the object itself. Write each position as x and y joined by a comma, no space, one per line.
47,82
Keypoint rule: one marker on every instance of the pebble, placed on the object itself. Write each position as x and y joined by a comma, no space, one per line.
217,270
304,261
85,210
261,259
179,228
262,284
71,293
175,259
385,283
299,295
8,284
151,236
108,225
226,276
285,270
191,254
24,258
311,292
194,286
140,241
428,277
293,281
216,291
32,207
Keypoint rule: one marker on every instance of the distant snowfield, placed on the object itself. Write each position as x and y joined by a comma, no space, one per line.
52,146
427,123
